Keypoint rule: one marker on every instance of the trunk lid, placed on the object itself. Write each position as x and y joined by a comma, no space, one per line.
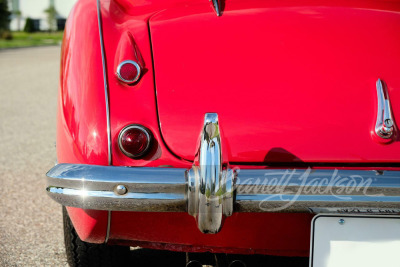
289,83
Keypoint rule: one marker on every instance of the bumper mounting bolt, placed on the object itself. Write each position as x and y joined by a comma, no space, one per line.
121,189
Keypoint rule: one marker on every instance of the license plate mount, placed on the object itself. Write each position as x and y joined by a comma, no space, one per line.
354,240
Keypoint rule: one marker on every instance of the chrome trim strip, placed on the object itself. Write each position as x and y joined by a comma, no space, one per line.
138,68
262,190
103,59
108,227
109,147
217,7
384,122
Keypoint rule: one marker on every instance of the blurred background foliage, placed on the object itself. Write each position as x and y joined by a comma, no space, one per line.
30,31
4,20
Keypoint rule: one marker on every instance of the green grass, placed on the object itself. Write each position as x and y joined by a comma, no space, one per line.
23,39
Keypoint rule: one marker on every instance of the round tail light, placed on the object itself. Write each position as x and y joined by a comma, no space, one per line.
128,71
134,141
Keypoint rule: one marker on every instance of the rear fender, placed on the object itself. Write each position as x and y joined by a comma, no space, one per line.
82,118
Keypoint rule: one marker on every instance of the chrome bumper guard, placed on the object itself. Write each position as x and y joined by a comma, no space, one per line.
211,191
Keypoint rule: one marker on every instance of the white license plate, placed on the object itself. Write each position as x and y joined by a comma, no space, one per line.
365,240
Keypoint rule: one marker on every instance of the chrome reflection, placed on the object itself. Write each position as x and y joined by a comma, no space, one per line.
100,200
384,122
138,71
107,103
211,184
256,190
217,7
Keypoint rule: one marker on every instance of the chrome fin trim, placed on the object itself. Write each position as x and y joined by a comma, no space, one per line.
384,122
217,7
211,183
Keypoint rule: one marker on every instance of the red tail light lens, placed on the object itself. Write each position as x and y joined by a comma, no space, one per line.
128,71
134,141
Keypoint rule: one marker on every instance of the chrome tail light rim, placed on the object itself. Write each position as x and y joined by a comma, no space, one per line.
145,131
138,69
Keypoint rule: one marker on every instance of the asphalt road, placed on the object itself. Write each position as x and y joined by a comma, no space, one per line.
30,222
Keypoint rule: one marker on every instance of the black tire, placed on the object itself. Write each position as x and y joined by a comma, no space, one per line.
83,254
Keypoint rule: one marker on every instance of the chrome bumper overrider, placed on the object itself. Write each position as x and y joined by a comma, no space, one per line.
211,191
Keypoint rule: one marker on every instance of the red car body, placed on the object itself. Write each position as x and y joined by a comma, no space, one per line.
293,83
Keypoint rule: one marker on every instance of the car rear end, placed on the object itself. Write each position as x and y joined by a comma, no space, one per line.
228,133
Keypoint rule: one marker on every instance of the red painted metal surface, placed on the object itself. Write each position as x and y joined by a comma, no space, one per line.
132,104
91,225
244,233
82,127
289,83
81,119
273,72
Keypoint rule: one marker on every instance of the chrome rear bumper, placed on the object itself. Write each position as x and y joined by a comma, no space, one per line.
267,190
211,190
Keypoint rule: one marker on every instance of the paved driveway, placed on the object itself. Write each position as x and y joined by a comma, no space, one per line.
30,223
